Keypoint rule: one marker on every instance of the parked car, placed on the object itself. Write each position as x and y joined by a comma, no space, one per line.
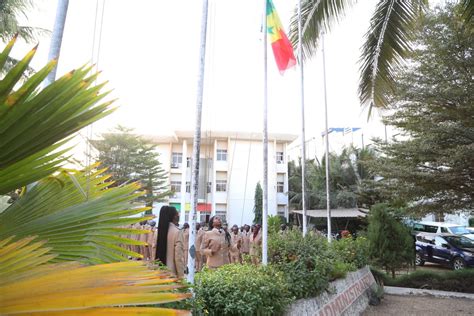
447,249
441,228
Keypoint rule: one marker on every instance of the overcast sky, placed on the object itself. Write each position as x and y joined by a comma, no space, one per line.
149,53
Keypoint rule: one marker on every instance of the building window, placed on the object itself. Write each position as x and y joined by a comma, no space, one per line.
209,187
279,157
222,155
221,185
222,215
281,212
280,187
176,160
204,217
188,187
176,186
188,162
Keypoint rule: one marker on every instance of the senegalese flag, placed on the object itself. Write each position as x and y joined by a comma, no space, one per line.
281,46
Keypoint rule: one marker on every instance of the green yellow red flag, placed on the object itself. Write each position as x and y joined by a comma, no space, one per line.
281,46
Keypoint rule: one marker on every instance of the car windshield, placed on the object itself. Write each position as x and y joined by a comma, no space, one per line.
459,230
459,241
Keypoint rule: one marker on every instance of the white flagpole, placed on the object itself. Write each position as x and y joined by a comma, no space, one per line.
197,144
57,38
303,137
328,199
265,142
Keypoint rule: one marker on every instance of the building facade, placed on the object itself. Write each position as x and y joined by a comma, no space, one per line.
231,165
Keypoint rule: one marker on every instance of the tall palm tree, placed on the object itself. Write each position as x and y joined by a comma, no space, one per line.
10,10
387,42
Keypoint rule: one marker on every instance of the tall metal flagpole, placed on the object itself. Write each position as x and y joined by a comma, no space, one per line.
328,199
57,38
303,137
265,142
197,144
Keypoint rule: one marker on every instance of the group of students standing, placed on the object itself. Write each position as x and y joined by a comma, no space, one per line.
214,246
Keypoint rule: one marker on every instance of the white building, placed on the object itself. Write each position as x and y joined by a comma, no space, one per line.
231,165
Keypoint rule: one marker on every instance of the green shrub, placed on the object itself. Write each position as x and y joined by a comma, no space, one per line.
305,262
354,252
274,223
471,222
390,243
309,263
241,290
339,270
454,281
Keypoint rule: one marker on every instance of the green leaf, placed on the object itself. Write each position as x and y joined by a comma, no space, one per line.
387,45
70,210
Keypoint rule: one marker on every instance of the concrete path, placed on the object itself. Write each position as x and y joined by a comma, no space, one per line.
421,305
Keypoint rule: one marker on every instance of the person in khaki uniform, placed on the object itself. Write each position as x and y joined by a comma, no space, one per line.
151,240
255,242
170,243
144,249
235,245
198,244
215,244
186,242
245,249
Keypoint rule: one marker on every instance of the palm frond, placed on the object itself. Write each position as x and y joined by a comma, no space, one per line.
33,122
316,16
468,9
78,215
387,44
29,286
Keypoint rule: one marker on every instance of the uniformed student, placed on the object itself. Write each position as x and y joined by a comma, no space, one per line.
245,249
236,245
186,242
199,237
144,250
169,249
152,240
215,244
255,242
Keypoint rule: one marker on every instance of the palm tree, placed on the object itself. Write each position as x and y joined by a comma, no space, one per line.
9,24
387,42
10,10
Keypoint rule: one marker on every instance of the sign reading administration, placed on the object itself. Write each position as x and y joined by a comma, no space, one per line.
345,299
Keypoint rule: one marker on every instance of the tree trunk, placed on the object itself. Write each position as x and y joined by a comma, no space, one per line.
57,38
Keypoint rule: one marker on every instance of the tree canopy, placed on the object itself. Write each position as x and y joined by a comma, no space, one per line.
431,164
130,157
347,180
258,204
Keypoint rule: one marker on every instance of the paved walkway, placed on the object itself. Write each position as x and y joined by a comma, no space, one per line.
421,305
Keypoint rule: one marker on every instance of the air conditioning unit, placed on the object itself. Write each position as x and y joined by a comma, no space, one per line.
174,165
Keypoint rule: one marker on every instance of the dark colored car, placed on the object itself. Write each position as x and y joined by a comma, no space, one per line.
453,250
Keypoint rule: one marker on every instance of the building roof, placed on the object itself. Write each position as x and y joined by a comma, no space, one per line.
341,212
221,135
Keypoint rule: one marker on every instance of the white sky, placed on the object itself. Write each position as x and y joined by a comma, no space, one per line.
149,53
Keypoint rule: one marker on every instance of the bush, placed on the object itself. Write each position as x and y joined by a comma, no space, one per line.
241,290
274,223
305,262
453,281
354,252
309,263
471,222
390,242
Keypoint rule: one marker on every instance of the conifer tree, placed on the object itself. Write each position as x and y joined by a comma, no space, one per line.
258,204
391,245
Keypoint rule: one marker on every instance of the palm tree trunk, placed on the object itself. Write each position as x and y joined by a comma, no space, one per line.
57,38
